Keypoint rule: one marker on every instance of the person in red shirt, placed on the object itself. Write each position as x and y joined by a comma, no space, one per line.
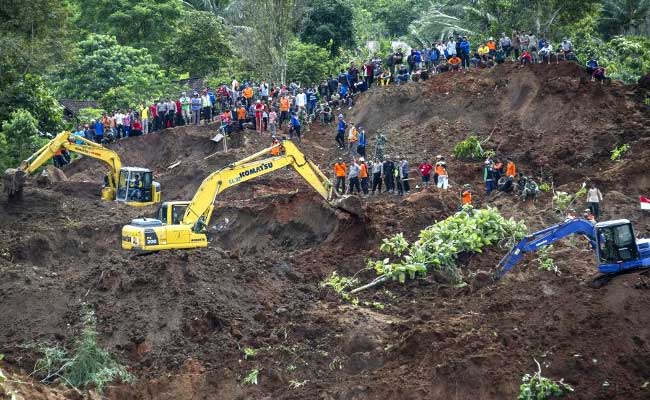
136,128
179,113
425,171
153,115
259,110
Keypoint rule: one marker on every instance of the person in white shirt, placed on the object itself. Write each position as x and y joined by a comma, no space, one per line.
594,197
301,100
451,47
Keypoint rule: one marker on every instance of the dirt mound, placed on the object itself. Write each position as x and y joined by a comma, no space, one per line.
181,320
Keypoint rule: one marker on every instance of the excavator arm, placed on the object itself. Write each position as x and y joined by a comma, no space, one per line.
200,208
63,141
545,237
190,231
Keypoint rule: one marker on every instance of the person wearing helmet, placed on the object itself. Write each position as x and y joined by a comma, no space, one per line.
466,195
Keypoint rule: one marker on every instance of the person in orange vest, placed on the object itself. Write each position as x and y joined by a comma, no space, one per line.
511,169
363,175
241,117
454,62
466,195
276,151
340,171
284,110
441,170
248,95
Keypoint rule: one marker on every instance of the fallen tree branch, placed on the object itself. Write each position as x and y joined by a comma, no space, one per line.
376,282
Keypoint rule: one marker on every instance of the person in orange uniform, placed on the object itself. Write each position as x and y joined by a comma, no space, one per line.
454,62
241,117
248,95
340,170
363,175
276,151
492,46
284,110
466,195
511,169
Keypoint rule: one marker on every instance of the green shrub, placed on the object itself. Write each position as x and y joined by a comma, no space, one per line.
537,387
618,151
438,246
469,149
88,365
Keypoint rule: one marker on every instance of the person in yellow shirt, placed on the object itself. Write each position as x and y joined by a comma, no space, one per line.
483,52
384,78
144,116
353,139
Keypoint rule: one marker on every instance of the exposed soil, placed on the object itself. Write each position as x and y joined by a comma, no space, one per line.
181,319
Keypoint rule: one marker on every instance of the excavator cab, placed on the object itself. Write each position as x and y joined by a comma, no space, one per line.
135,186
616,242
172,212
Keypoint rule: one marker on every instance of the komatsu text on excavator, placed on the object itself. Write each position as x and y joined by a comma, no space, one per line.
131,185
183,224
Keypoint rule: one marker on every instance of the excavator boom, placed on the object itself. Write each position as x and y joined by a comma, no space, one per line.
616,247
171,232
14,178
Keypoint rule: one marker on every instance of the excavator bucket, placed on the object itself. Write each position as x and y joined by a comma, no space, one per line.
13,182
350,204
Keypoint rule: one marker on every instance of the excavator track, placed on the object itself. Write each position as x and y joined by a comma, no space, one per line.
602,280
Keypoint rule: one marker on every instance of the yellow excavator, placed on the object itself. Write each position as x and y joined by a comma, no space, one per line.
183,224
131,185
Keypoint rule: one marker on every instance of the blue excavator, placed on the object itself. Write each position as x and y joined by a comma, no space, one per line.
617,249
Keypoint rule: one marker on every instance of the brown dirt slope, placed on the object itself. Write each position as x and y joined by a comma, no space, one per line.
181,319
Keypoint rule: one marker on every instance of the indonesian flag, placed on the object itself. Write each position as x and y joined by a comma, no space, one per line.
645,203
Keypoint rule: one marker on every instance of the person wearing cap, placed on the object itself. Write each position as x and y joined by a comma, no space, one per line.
340,133
185,108
587,214
376,176
466,195
353,139
425,172
361,146
295,126
363,175
506,44
273,118
195,105
353,175
489,175
441,170
259,109
389,174
340,171
492,47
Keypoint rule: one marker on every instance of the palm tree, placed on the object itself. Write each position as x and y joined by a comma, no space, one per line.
626,16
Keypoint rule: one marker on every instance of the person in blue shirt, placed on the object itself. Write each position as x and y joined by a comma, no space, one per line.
361,144
592,65
312,99
464,52
340,134
99,131
295,126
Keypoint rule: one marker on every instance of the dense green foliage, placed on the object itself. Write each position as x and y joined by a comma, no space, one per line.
439,245
18,138
469,149
329,24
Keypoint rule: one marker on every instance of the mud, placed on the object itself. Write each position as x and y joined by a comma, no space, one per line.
181,319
